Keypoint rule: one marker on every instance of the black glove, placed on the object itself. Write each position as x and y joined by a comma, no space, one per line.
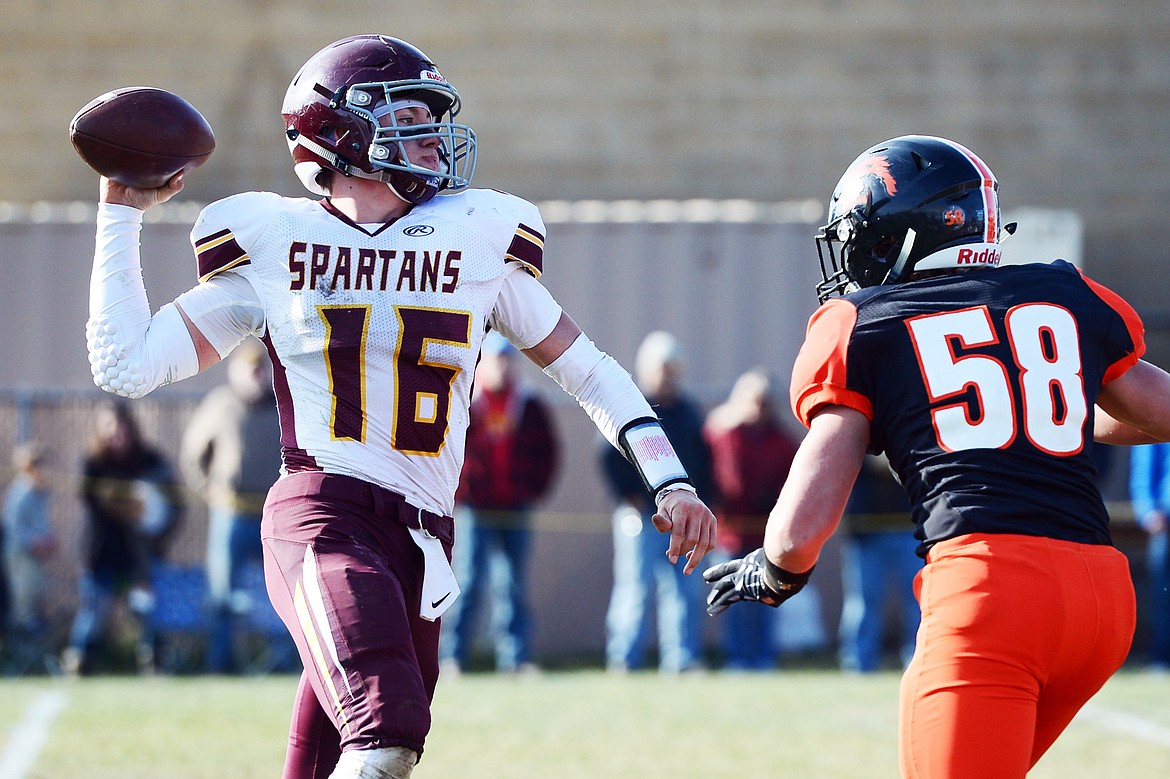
753,577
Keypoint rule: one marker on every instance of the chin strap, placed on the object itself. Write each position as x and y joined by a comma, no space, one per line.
337,161
895,273
346,168
330,157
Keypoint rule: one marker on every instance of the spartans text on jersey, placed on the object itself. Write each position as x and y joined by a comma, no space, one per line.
326,268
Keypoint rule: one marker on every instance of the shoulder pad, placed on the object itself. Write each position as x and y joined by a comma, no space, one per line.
515,220
820,375
226,228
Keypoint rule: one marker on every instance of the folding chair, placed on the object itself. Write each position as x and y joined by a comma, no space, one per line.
178,621
265,644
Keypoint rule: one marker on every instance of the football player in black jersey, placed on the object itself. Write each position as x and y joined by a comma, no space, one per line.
986,387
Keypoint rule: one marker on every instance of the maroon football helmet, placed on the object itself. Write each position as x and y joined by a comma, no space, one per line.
336,105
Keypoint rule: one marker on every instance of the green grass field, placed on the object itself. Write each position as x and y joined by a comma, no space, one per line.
811,724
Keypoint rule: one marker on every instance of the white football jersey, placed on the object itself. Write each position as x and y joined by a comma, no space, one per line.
374,331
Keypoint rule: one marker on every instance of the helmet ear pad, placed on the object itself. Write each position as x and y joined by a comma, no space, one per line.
866,254
871,257
346,135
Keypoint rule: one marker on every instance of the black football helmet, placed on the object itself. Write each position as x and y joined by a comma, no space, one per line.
335,106
910,204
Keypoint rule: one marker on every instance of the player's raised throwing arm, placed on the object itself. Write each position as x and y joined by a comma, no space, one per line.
132,352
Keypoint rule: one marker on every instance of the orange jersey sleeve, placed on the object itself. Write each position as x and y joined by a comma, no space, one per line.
1133,324
820,373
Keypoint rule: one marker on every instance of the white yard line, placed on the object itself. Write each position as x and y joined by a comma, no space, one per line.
1121,722
30,734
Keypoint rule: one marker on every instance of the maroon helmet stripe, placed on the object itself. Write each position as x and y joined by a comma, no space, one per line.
527,247
219,252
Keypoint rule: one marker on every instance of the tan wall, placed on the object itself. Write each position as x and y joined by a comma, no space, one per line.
763,99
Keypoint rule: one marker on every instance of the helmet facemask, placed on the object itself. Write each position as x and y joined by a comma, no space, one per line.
836,280
864,258
377,103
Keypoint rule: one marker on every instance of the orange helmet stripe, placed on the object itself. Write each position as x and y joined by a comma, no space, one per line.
988,186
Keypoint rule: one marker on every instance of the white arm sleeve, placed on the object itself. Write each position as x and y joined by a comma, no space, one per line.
620,411
131,353
525,312
601,386
225,308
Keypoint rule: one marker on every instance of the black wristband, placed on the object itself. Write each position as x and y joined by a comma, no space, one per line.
784,582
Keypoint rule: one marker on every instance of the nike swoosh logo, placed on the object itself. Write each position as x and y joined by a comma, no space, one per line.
435,603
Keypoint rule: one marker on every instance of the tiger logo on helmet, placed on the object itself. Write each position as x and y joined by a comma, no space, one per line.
865,175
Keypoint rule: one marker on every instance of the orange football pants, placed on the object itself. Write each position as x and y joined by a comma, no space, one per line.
1017,633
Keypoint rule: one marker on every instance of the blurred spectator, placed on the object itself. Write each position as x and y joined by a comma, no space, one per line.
1149,487
4,600
231,456
28,543
132,510
878,564
512,457
639,559
750,457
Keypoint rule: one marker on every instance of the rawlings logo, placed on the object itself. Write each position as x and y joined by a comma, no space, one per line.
416,230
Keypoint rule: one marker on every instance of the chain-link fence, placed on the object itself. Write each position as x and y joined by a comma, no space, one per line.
62,422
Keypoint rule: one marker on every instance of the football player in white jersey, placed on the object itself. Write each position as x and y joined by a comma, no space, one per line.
373,303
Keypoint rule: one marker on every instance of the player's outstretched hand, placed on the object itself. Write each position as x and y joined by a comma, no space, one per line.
750,578
691,526
142,199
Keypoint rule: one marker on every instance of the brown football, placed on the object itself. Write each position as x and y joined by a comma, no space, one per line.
141,136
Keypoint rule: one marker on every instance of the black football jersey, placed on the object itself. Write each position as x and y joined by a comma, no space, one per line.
980,389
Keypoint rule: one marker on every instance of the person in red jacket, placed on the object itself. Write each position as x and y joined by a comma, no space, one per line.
751,453
512,458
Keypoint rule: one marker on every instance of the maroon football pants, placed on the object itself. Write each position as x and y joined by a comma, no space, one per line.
345,577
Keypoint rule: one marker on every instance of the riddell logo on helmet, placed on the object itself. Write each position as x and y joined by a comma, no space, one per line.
432,75
985,257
